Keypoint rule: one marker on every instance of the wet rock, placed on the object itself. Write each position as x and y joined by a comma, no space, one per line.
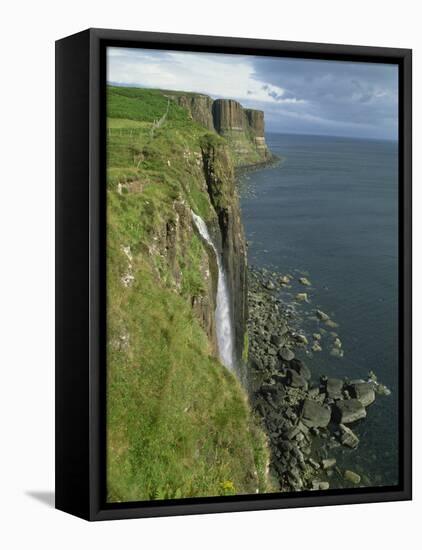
364,392
372,376
335,352
352,477
296,380
316,336
321,315
328,463
301,339
284,280
301,297
348,437
323,485
330,323
380,389
337,343
286,354
334,387
315,415
316,347
348,411
304,281
269,285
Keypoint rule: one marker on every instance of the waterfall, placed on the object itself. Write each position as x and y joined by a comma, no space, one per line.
222,312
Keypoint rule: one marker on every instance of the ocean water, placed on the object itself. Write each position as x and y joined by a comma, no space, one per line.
329,211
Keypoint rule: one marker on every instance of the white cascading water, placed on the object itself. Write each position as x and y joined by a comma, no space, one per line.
222,312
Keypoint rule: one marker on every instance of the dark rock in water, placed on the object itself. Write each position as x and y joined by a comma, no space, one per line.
321,315
304,281
295,380
348,437
351,476
286,354
364,392
301,368
334,387
315,415
380,389
351,410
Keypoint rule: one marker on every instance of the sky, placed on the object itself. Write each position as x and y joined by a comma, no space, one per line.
297,95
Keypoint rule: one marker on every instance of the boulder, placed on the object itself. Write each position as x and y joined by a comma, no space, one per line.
315,415
334,387
364,392
286,354
302,297
337,343
301,369
277,340
352,477
328,463
304,281
348,437
296,380
321,315
348,411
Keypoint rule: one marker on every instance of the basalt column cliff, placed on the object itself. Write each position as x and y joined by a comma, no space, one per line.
244,129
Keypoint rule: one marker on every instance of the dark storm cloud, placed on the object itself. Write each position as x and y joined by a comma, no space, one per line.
356,99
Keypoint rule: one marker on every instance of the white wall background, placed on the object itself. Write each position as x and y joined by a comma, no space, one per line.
27,272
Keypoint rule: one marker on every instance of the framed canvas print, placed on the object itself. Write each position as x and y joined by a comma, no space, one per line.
233,274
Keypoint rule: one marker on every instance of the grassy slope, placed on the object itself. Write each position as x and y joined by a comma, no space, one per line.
178,422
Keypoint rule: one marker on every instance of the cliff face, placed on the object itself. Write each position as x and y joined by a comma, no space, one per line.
199,108
244,129
220,178
228,115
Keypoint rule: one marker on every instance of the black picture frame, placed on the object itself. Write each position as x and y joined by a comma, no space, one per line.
80,272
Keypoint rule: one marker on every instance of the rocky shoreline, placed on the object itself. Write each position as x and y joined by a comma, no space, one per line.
305,419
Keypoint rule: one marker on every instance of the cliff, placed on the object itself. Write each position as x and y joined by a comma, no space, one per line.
179,423
243,129
220,179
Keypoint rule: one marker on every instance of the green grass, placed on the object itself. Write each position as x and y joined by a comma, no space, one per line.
178,422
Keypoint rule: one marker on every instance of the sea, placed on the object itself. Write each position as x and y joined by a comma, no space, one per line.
329,211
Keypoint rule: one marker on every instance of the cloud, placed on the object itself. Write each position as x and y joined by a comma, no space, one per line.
228,76
297,95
